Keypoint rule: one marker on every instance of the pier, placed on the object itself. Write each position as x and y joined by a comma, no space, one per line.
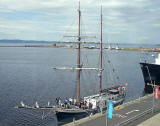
142,111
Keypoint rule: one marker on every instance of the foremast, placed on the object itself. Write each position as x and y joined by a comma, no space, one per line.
79,67
101,59
79,54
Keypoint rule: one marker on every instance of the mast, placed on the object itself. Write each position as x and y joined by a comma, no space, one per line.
79,66
101,58
79,54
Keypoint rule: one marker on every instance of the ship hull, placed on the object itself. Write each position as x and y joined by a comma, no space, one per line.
68,117
151,75
93,104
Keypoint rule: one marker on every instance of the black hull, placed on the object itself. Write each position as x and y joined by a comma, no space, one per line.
119,103
68,117
151,75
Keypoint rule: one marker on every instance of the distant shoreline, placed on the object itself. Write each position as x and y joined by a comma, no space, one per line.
87,47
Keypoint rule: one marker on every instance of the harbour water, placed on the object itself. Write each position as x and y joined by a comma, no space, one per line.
26,74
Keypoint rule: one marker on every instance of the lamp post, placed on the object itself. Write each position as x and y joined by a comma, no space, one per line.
155,94
106,113
153,98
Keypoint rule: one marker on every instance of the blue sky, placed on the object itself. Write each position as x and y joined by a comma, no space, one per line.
124,21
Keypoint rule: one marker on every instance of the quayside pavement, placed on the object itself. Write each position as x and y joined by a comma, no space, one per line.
139,112
153,121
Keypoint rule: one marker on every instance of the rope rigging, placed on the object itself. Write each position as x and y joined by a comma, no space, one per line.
110,71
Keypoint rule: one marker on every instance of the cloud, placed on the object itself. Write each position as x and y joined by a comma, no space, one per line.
144,38
30,4
49,19
114,3
156,25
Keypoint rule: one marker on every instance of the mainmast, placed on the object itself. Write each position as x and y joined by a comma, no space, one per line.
79,54
101,58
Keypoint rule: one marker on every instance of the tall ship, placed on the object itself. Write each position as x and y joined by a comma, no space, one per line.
81,106
151,74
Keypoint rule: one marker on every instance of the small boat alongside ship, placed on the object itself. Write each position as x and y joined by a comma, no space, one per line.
151,74
80,107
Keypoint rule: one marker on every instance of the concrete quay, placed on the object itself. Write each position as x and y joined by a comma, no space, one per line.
153,121
139,112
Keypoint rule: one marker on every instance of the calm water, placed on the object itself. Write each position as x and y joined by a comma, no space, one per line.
26,74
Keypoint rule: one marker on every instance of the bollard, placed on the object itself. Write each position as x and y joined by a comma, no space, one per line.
101,110
73,120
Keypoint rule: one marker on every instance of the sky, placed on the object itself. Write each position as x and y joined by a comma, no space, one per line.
124,21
